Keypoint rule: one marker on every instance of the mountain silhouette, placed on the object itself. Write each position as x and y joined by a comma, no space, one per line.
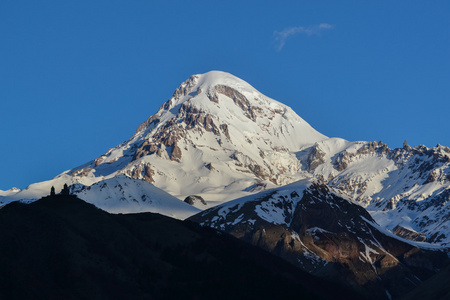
61,247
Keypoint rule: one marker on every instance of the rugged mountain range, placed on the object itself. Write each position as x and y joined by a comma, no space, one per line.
217,139
406,190
315,229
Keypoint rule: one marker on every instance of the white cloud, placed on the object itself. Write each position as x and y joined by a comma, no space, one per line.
281,36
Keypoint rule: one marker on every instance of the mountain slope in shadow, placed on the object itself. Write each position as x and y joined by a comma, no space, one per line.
318,231
61,247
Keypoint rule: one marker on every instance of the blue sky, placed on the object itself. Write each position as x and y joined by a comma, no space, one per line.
78,77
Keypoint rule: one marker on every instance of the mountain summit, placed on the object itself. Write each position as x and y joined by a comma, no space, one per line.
215,137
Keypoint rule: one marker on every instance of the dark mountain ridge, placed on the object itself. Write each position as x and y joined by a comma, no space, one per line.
322,233
61,247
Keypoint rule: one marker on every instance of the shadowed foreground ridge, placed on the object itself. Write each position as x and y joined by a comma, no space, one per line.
61,247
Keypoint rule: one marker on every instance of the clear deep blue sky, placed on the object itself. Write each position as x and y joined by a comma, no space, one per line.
78,77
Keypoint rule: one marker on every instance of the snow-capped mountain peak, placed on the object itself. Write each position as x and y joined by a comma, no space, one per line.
217,138
224,98
215,133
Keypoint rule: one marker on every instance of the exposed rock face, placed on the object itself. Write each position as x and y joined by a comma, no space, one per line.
409,234
82,172
238,98
212,96
344,158
261,172
195,200
257,187
224,128
144,172
316,157
149,123
433,176
176,153
147,148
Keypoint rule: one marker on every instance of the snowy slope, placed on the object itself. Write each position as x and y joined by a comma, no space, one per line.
9,192
119,194
133,196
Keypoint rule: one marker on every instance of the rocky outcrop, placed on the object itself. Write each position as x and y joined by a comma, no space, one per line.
257,187
341,161
149,123
142,171
224,128
316,157
184,89
194,118
176,153
147,148
344,158
238,98
195,200
212,96
261,172
432,177
99,160
409,234
82,172
351,184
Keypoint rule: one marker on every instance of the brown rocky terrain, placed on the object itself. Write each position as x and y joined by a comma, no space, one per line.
330,237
